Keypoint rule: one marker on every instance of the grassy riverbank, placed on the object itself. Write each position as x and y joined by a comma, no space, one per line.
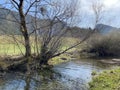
10,49
107,80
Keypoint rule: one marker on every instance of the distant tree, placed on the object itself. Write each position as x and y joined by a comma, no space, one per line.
98,10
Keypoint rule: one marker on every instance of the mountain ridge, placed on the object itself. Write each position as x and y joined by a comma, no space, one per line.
13,28
104,29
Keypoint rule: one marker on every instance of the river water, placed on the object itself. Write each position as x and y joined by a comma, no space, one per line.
72,75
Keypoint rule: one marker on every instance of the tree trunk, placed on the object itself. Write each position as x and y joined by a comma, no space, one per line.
44,56
24,30
27,45
43,60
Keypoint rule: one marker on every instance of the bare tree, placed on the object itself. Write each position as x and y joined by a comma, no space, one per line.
55,18
98,10
20,10
55,26
48,22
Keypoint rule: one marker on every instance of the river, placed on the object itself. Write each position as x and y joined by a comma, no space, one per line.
72,75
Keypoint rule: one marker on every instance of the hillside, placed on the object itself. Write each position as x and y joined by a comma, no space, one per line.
104,29
9,25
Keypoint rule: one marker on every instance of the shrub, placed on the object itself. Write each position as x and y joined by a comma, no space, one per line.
104,45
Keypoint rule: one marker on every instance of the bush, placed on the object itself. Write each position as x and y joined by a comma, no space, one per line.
104,45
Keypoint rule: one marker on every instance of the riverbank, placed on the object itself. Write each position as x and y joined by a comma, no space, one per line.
73,75
8,62
107,80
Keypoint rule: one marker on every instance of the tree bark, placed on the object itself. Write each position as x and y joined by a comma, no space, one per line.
27,46
24,30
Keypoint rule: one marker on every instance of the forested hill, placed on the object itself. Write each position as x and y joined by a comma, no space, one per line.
9,25
9,22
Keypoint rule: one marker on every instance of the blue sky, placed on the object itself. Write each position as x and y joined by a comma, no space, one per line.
111,15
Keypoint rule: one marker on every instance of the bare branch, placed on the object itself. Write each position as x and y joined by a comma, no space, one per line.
16,2
75,45
30,7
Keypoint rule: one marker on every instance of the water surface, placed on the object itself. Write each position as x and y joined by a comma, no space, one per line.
72,75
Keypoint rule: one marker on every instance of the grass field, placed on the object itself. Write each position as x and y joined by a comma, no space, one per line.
11,49
8,45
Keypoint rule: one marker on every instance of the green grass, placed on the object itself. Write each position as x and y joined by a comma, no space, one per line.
9,47
107,80
13,49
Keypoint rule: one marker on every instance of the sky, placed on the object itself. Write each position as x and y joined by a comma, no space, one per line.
111,14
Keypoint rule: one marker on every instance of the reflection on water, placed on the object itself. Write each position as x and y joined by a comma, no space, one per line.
73,75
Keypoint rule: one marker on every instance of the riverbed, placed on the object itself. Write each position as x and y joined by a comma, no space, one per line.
72,75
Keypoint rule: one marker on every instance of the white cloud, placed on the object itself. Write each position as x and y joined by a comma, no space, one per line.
111,3
107,3
112,11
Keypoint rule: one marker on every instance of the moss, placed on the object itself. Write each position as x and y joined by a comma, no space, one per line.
107,80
